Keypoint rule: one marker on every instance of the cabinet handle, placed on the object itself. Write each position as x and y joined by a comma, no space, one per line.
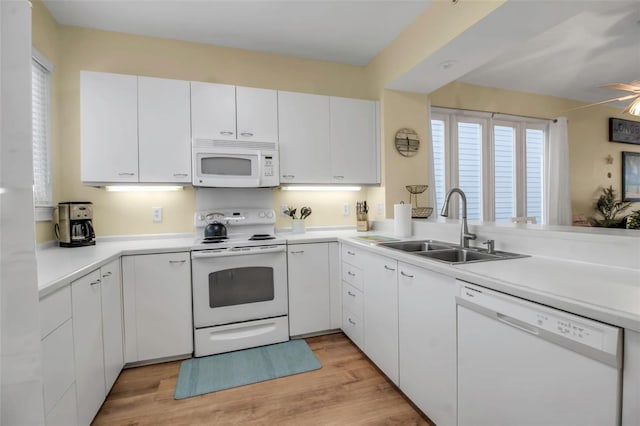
180,174
350,253
108,274
351,294
351,273
297,252
177,261
351,321
388,268
98,281
288,176
226,133
338,177
246,134
405,275
126,174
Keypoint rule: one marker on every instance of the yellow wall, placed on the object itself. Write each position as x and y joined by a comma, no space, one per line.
588,134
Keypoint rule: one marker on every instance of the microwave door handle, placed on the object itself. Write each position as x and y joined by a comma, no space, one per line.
259,179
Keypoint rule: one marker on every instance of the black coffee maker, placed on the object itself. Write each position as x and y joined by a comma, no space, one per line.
75,227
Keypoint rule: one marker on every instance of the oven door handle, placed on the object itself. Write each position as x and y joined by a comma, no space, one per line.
226,253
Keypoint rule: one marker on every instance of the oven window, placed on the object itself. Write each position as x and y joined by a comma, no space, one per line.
239,286
226,166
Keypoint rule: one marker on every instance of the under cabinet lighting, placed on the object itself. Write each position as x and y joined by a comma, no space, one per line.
143,188
336,188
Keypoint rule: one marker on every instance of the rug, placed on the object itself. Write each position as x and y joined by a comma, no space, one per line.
217,372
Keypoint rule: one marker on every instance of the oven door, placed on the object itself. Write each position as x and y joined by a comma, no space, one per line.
231,170
232,285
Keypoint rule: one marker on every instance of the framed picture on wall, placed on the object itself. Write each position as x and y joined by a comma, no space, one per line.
630,176
624,131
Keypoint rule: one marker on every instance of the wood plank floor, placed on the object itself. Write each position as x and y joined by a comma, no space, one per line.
347,390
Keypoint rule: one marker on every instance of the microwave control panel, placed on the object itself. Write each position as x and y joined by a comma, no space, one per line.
268,166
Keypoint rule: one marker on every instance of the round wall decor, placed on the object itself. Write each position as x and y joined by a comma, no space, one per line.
407,142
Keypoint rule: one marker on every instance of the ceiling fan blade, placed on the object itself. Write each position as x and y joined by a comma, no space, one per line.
631,105
621,98
622,86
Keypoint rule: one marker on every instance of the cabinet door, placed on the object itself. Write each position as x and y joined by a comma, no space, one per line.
304,138
112,329
257,112
354,141
213,111
162,315
381,313
427,324
87,344
164,130
309,292
109,127
57,365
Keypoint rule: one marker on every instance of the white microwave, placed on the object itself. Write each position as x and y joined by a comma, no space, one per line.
235,164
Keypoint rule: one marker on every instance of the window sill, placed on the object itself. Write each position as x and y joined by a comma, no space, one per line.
43,214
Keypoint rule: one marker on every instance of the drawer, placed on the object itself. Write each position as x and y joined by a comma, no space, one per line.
352,255
58,367
352,275
353,327
55,309
352,299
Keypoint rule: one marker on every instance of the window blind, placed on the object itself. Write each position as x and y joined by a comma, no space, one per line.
41,101
504,142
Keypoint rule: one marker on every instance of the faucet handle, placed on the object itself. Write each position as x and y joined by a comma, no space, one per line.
490,246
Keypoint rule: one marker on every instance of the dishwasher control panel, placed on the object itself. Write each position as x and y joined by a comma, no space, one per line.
538,319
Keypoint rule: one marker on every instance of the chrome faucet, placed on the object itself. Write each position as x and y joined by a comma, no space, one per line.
465,235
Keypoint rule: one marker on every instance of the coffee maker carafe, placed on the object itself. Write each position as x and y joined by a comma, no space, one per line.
75,224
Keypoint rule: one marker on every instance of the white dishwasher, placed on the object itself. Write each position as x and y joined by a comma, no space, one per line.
520,363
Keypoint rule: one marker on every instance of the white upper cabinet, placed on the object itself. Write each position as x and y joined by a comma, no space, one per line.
223,112
355,148
213,111
164,130
257,114
305,134
109,127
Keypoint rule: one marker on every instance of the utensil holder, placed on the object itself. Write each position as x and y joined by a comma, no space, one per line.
362,222
297,226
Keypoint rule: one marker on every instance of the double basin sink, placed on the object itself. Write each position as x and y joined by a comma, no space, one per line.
448,253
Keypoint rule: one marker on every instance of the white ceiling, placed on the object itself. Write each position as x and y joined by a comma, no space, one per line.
350,32
563,48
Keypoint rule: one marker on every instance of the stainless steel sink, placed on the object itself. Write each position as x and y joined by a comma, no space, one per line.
417,245
458,255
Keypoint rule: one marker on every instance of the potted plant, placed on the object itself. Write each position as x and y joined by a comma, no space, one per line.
633,220
610,209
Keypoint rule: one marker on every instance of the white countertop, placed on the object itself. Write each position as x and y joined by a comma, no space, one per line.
608,294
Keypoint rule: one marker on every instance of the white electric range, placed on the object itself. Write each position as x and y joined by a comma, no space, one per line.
239,283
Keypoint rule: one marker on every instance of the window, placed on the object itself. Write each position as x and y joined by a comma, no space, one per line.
41,124
496,161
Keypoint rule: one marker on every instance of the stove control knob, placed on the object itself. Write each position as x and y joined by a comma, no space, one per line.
261,214
270,214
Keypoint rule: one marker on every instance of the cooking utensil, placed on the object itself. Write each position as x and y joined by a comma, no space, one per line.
214,228
305,212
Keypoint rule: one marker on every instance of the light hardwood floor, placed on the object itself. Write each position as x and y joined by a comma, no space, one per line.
347,390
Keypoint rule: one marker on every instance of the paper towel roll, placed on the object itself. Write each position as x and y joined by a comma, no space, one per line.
402,220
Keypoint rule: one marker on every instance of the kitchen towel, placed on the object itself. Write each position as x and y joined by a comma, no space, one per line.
217,372
402,220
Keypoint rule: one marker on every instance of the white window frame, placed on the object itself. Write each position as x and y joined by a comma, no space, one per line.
44,212
488,120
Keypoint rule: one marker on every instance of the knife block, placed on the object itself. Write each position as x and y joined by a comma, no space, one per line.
362,222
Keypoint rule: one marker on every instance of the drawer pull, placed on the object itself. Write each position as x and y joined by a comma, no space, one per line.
98,281
350,253
388,268
126,174
180,174
351,294
226,133
405,275
108,274
351,273
246,134
338,177
177,261
297,252
351,321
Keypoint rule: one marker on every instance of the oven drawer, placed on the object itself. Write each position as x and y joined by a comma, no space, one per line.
232,337
352,299
352,275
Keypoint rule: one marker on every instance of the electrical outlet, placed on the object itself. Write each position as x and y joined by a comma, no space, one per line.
283,207
156,214
345,209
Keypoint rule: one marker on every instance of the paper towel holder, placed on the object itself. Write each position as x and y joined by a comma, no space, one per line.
407,142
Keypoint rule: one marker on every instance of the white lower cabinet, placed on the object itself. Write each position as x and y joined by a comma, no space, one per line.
157,306
631,379
65,412
381,313
427,341
313,284
112,327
